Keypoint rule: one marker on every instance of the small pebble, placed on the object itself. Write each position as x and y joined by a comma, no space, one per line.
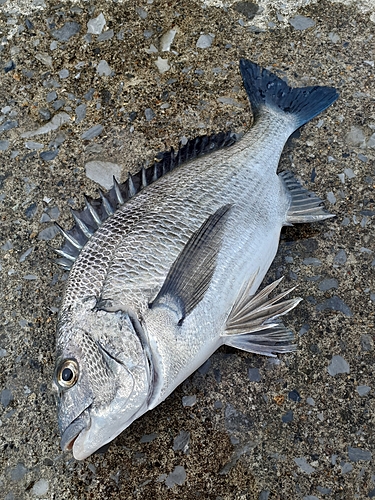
363,390
340,257
331,198
66,32
312,261
6,397
303,465
359,454
177,476
33,145
49,155
349,173
287,417
147,438
92,132
95,26
40,488
294,396
301,22
103,68
356,137
254,375
338,365
141,12
181,441
48,233
310,401
189,400
328,284
18,473
107,35
204,41
4,145
335,304
149,114
64,73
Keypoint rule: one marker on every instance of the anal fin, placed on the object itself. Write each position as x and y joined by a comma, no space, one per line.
254,325
305,205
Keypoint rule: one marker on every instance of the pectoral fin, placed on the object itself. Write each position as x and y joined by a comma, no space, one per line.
254,323
191,273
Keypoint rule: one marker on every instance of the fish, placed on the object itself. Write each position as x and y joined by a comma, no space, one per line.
165,268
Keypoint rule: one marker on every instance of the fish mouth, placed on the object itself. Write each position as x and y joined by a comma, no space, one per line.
71,433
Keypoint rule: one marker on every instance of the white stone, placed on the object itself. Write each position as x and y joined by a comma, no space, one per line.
40,488
166,40
205,41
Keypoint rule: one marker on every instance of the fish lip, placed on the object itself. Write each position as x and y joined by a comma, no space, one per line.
71,433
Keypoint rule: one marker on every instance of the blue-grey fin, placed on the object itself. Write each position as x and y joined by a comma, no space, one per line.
98,210
86,230
305,206
192,271
106,204
265,89
254,323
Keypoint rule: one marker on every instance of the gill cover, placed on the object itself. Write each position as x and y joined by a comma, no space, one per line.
102,378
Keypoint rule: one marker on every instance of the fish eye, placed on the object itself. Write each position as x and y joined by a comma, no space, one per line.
67,373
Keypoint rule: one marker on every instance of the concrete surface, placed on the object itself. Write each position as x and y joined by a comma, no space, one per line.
243,426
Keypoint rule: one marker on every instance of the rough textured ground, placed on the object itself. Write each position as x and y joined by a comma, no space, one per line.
243,426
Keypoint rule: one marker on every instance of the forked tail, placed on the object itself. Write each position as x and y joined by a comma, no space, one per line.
265,89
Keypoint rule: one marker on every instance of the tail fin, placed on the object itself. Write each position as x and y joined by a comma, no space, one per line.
266,89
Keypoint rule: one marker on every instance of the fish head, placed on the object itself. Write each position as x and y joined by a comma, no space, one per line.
102,378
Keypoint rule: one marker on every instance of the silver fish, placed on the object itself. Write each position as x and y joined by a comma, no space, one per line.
165,269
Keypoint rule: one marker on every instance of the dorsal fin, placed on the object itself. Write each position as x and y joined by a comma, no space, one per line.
97,211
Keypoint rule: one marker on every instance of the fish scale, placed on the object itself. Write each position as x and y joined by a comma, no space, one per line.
167,266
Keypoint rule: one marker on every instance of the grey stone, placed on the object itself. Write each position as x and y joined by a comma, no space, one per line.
6,397
4,145
334,304
31,210
346,467
33,145
287,417
92,132
177,476
349,173
66,32
8,125
95,26
247,9
44,58
264,494
80,112
58,104
30,277
310,497
301,22
254,375
371,141
334,37
303,465
363,390
103,68
149,114
49,155
189,400
310,401
48,233
162,64
141,12
51,96
362,157
56,122
338,365
147,438
181,441
107,35
102,172
45,114
26,254
340,257
40,488
356,137
359,454
64,73
312,261
323,490
8,245
204,41
331,198
328,284
367,342
18,473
